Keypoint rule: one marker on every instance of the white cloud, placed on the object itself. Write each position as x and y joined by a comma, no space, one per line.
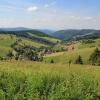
50,19
32,9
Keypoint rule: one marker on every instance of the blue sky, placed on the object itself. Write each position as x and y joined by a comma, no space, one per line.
50,14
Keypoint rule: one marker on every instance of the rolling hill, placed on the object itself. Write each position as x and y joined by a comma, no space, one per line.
7,40
80,48
24,79
76,34
35,38
35,35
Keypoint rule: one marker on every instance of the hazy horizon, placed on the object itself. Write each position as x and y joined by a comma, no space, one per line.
50,14
51,29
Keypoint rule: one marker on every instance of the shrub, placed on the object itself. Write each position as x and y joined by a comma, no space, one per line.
95,57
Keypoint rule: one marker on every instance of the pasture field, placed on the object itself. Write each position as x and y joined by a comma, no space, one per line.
82,49
25,80
6,41
81,45
64,57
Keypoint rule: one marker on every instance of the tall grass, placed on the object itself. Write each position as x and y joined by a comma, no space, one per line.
38,81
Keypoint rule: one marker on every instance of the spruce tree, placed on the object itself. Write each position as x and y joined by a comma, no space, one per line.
52,61
79,60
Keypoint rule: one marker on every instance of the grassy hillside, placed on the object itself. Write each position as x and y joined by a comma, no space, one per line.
27,80
7,40
5,43
64,57
39,81
33,35
81,45
48,38
80,48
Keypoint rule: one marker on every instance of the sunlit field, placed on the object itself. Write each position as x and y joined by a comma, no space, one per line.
6,41
27,80
49,49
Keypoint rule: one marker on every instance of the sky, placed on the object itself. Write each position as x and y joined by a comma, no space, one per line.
50,14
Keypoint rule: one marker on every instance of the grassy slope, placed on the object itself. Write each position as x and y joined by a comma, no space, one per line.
29,42
40,81
66,56
54,40
84,50
22,80
6,41
90,45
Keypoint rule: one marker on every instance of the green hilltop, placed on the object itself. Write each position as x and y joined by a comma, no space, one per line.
6,40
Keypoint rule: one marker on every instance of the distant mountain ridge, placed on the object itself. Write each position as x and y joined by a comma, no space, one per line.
32,34
74,33
15,29
68,34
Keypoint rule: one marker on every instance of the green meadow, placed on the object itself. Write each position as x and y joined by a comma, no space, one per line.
64,57
6,41
82,49
49,49
25,80
30,80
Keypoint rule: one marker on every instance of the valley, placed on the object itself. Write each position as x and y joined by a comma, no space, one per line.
49,49
36,66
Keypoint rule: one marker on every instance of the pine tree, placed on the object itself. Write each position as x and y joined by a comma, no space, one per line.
79,60
52,61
